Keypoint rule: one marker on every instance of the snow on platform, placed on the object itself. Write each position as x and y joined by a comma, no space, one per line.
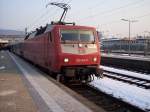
126,72
131,94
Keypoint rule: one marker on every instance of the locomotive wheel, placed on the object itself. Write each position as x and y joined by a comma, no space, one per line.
99,73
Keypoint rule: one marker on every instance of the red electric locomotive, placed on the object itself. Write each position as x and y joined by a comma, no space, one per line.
68,51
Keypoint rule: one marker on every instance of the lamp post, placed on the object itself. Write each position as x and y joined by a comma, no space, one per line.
146,43
130,21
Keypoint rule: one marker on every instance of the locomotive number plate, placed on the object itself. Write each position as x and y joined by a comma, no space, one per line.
81,60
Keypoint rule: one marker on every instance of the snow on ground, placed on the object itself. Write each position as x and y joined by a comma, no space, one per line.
126,72
126,92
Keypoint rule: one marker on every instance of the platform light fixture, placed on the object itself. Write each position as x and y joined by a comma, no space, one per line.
130,21
146,45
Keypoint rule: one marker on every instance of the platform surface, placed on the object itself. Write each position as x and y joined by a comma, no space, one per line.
24,89
14,96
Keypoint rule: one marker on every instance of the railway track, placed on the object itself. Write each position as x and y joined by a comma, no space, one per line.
109,103
101,99
143,83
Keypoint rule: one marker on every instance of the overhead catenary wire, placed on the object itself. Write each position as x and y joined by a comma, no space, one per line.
43,15
137,17
55,12
110,10
145,15
117,21
112,14
37,19
46,17
90,7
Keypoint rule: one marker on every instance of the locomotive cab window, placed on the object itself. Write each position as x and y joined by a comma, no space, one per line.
86,36
77,36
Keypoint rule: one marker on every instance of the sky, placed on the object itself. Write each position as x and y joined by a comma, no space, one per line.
104,15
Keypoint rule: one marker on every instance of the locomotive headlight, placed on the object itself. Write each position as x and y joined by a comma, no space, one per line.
94,59
66,60
80,45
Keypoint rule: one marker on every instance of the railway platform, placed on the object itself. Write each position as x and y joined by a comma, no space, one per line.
132,62
13,93
25,89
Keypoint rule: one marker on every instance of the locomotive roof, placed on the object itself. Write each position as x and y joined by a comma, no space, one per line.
48,28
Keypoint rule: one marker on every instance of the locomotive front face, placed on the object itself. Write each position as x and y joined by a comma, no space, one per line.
79,55
79,47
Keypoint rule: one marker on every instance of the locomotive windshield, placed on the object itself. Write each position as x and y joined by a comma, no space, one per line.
77,35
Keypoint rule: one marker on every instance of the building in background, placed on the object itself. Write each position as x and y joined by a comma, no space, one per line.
138,45
10,39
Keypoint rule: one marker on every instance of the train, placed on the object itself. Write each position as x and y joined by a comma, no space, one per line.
68,51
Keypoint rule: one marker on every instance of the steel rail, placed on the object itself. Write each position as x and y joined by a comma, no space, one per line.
140,82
